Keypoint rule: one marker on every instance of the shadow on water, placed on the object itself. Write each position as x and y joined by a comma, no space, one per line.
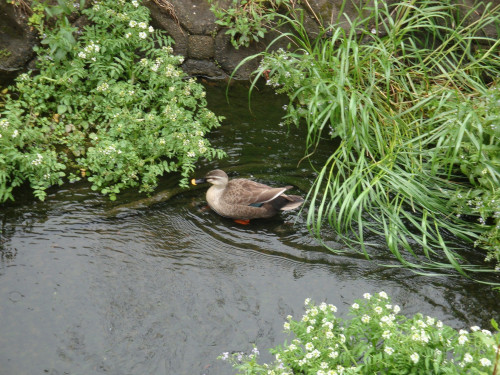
166,288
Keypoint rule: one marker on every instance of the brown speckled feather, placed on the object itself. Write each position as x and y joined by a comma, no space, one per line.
246,192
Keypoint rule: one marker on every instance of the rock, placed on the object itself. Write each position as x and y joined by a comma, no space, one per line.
16,42
200,47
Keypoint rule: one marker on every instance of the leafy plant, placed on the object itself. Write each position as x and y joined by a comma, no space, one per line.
113,106
410,94
375,340
246,20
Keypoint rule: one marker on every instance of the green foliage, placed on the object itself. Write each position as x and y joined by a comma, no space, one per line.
375,340
112,105
414,104
246,20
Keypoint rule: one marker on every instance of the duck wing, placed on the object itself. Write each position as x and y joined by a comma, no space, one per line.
246,192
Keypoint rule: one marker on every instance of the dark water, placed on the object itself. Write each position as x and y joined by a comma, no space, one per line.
167,288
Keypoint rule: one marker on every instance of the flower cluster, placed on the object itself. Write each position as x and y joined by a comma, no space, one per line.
375,340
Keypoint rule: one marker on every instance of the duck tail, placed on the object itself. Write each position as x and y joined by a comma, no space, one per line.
287,202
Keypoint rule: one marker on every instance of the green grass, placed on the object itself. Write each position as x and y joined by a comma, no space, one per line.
411,93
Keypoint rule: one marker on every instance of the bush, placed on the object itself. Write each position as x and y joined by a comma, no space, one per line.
375,340
112,105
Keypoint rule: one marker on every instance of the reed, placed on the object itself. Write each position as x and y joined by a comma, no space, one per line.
410,93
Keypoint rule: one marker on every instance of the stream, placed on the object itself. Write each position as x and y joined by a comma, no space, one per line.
90,286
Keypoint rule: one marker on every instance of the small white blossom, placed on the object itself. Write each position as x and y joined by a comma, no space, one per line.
474,328
485,362
383,295
143,35
333,354
367,296
355,306
151,29
82,55
389,350
468,358
135,3
286,326
309,346
462,339
132,23
415,357
142,25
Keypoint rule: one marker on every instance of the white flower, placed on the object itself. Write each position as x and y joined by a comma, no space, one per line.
323,365
315,353
323,306
135,3
342,338
463,332
367,296
486,332
355,306
468,358
397,309
142,25
373,31
286,326
389,350
430,321
309,346
128,35
439,324
151,29
365,318
329,335
383,295
292,347
143,35
386,334
462,339
307,301
15,134
332,308
82,55
191,154
378,310
485,362
132,23
309,329
415,357
333,354
474,328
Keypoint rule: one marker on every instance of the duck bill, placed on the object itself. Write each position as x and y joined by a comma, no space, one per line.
197,181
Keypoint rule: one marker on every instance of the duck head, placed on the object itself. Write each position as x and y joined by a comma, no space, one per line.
216,177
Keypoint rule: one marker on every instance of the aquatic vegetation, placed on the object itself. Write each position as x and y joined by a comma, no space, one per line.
375,339
409,92
110,104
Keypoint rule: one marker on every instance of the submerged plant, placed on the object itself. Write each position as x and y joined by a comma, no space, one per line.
113,106
377,339
410,93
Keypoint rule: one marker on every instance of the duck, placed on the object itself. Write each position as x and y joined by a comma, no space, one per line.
242,199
